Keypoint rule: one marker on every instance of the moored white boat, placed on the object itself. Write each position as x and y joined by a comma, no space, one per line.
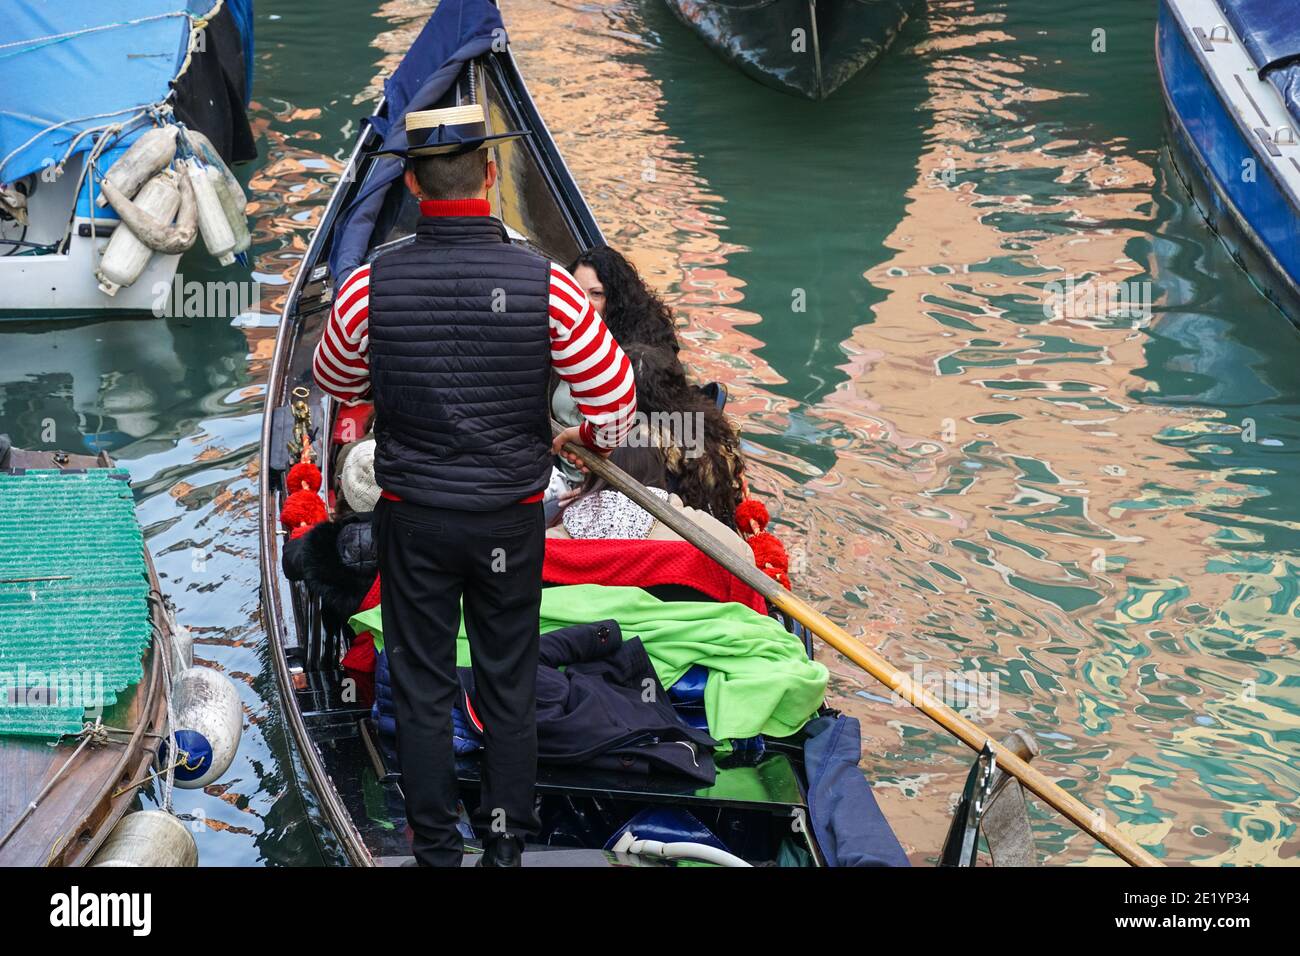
81,82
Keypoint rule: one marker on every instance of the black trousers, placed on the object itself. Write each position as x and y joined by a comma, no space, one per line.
429,559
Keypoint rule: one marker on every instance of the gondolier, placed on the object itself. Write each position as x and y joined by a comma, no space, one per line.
454,336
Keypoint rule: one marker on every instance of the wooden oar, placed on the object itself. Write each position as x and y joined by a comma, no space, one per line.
865,657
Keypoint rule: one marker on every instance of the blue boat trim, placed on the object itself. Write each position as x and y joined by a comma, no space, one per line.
1235,234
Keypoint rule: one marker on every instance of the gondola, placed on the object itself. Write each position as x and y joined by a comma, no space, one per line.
805,47
59,803
759,804
1230,75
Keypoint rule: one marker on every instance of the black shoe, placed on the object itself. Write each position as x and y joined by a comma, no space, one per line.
504,849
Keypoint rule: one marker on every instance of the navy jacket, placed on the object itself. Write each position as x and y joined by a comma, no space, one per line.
338,562
606,708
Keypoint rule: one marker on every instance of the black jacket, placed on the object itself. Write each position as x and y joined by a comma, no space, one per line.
337,560
460,356
606,708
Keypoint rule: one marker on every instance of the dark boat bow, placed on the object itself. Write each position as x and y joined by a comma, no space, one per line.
805,47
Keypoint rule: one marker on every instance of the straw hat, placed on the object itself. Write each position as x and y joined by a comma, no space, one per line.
454,129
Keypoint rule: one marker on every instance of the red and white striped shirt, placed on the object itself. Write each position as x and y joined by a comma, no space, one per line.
583,352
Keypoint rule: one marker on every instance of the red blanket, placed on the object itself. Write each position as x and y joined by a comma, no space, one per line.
643,564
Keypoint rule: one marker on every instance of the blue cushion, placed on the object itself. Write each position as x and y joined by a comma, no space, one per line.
689,688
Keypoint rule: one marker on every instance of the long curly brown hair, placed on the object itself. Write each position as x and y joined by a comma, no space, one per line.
632,311
714,480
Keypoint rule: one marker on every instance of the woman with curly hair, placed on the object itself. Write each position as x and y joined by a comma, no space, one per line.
632,313
705,463
631,310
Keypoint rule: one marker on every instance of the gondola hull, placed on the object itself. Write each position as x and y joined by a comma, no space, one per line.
804,47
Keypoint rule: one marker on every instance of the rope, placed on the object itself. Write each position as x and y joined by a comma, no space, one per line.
53,38
169,780
88,169
197,24
181,761
141,110
94,733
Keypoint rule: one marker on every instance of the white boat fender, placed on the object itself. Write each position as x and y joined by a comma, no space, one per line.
157,235
628,843
148,838
233,208
208,153
147,155
126,256
208,722
217,234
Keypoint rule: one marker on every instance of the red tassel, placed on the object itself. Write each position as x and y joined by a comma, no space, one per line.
770,557
769,553
751,516
303,476
302,508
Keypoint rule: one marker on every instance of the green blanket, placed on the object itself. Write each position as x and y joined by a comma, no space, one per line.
760,679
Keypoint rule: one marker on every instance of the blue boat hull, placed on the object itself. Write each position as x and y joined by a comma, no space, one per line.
1226,170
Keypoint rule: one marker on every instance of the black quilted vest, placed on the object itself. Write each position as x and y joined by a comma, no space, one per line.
459,362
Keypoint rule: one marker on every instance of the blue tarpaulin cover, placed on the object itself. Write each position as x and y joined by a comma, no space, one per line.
68,66
1287,81
845,817
458,31
1270,31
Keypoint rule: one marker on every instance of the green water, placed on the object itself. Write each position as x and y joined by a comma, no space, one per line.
1066,503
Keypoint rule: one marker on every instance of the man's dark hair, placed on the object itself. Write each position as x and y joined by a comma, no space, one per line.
451,177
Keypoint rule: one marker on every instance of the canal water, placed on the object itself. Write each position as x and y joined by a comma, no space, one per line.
1025,426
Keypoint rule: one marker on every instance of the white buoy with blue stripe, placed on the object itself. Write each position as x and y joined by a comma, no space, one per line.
209,720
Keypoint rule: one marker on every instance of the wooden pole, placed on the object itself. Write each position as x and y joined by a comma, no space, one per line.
868,659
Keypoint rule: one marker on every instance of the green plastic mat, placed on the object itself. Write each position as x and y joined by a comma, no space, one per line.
74,607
